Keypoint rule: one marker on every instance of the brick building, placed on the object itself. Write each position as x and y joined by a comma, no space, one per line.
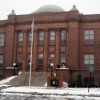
59,36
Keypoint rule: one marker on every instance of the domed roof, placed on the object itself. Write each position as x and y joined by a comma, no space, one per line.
49,8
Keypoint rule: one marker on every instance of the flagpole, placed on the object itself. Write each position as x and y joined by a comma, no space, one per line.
30,73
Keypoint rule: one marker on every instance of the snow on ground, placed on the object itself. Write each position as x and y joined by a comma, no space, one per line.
48,90
7,80
3,83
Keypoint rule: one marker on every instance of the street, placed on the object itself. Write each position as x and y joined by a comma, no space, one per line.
17,96
33,97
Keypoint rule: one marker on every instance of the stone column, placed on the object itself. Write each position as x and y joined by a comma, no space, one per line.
24,58
9,45
73,45
15,48
57,47
35,51
67,32
46,40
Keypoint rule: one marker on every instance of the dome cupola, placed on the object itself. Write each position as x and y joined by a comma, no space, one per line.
49,8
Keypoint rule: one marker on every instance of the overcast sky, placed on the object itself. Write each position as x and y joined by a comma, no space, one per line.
28,6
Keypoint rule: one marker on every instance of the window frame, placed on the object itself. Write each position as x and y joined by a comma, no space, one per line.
20,38
28,59
1,60
89,60
2,39
19,62
29,38
89,36
61,57
40,58
52,58
52,39
41,35
63,37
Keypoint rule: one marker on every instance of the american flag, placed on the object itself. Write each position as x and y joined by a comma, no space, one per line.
32,25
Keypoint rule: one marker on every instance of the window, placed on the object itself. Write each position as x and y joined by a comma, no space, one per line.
63,37
63,57
40,59
28,59
41,37
1,39
1,59
52,58
88,59
19,58
89,36
20,39
52,37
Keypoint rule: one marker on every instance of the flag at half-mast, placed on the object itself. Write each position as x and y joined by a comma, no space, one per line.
32,25
32,28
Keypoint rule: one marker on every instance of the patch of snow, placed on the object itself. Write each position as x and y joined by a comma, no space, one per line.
67,93
7,79
19,94
4,85
19,73
65,85
33,89
45,84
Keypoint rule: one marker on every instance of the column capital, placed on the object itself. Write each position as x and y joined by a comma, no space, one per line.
45,29
24,30
57,29
36,30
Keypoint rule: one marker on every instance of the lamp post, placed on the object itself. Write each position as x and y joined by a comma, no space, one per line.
51,66
14,65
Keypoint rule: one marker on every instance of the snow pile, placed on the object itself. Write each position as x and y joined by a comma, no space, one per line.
3,83
19,73
7,80
65,85
45,84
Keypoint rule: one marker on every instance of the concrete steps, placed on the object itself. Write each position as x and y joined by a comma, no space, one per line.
37,79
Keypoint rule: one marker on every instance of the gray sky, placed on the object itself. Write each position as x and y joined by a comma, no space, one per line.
28,6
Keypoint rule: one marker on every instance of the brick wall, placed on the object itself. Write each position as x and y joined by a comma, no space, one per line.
73,22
